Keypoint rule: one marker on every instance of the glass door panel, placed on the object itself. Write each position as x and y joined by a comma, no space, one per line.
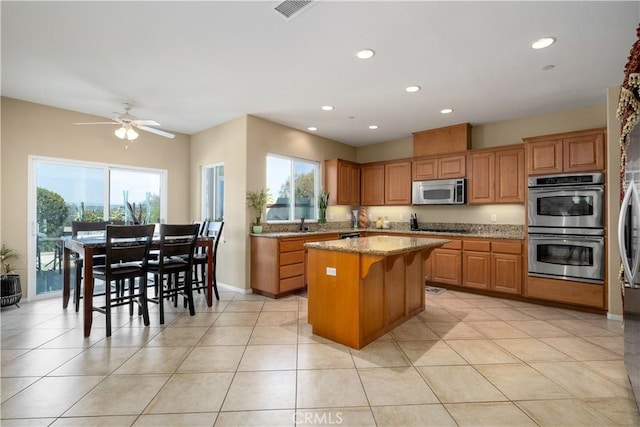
134,196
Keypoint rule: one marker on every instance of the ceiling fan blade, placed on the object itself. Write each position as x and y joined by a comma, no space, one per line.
157,131
97,123
146,122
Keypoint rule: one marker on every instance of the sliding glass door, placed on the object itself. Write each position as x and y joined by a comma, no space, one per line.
62,191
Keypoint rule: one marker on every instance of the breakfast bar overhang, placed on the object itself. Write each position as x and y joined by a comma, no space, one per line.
360,289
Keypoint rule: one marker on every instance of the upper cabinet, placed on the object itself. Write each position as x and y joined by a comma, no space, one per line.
441,167
496,176
397,183
450,139
342,181
580,151
372,186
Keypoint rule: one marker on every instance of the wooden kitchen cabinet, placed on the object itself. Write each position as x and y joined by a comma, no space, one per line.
372,185
496,176
506,266
476,263
444,140
579,151
443,167
397,183
342,181
444,265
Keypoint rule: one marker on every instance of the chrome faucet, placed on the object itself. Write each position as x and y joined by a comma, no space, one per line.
302,227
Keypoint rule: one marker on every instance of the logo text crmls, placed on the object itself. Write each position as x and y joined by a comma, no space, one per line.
322,418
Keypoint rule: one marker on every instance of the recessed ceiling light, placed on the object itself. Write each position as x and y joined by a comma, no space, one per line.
312,128
365,54
327,107
548,67
412,89
373,127
446,110
543,42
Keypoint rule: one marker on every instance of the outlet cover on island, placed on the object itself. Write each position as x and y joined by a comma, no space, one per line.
493,218
331,271
401,217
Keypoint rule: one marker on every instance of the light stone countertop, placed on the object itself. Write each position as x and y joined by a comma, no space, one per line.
378,245
508,234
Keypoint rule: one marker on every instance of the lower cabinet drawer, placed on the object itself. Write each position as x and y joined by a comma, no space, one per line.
506,247
291,270
566,291
291,258
291,283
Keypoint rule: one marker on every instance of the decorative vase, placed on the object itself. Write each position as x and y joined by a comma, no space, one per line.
11,290
257,229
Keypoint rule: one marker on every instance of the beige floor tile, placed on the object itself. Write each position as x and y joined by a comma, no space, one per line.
269,358
412,415
283,305
579,380
201,392
128,395
580,349
28,422
496,329
178,337
568,412
489,303
261,390
200,319
237,319
532,350
379,354
324,356
73,339
38,362
456,384
226,335
11,386
244,306
48,397
344,417
437,314
154,360
278,318
454,331
582,328
613,370
96,361
539,328
522,382
7,355
274,335
127,337
481,351
614,344
431,353
29,338
412,331
306,336
205,419
395,386
472,315
544,313
110,421
256,418
488,414
508,313
623,412
221,358
329,388
200,304
247,297
615,326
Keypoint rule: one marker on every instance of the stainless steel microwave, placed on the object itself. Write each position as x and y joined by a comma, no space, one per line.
439,192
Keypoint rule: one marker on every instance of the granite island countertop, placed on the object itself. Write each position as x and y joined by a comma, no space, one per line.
378,245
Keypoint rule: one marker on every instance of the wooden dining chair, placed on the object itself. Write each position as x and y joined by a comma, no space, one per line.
127,259
201,260
174,263
80,229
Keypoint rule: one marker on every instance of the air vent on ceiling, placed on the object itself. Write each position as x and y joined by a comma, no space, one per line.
291,8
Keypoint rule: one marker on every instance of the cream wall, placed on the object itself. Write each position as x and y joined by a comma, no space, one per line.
34,129
226,143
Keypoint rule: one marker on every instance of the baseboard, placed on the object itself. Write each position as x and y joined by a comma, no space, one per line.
232,288
616,317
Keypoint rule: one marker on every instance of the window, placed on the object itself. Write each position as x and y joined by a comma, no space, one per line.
213,192
293,185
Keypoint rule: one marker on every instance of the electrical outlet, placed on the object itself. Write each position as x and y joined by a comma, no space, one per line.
331,215
401,217
493,218
331,271
347,216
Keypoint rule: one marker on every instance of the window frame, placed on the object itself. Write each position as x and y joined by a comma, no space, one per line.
204,196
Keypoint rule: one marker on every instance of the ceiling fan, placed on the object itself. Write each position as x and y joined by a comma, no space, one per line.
127,124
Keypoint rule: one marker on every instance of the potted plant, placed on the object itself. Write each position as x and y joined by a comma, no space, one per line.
10,287
257,200
323,202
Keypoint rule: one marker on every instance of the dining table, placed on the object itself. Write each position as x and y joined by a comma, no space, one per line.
88,247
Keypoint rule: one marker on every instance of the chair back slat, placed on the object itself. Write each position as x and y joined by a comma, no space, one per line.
128,243
178,239
85,227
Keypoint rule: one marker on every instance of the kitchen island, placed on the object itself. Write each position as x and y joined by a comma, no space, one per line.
360,289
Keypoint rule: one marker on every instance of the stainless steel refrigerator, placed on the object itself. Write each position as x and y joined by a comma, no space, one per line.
629,241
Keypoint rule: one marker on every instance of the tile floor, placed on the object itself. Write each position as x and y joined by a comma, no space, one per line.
249,360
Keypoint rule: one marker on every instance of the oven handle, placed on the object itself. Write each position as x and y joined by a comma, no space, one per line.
628,269
563,238
559,189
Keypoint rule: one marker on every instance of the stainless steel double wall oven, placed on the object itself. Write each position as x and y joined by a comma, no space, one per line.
566,227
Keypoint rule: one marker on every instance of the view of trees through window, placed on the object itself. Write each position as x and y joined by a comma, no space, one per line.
293,184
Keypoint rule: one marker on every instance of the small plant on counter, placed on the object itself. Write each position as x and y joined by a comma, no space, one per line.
257,200
323,202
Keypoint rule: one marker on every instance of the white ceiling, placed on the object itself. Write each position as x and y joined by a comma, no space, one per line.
193,65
